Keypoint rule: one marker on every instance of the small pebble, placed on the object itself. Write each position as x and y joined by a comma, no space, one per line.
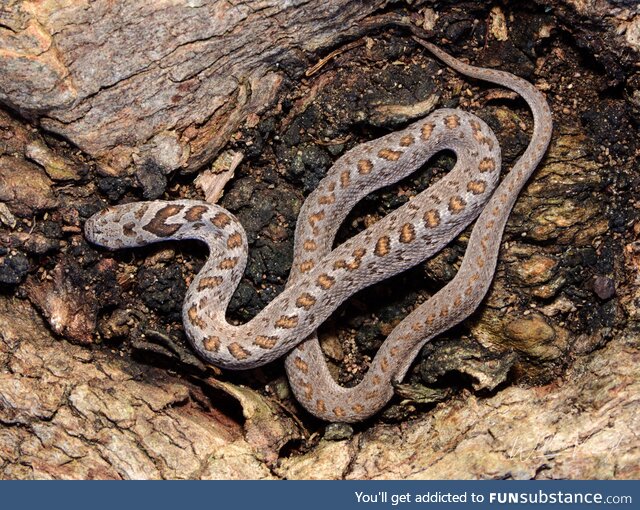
604,287
338,431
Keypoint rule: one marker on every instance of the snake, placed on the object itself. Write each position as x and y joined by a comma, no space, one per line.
323,276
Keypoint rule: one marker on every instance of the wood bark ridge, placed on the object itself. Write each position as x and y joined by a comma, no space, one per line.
107,102
185,75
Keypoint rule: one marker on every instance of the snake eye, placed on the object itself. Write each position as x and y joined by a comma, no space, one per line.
92,230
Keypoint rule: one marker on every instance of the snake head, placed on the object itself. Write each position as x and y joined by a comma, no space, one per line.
106,228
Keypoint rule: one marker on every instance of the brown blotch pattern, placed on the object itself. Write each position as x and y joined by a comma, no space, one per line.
477,187
384,364
358,408
228,263
389,154
432,218
234,241
287,322
308,391
456,205
140,211
426,130
266,342
345,179
305,301
339,412
320,407
221,220
371,395
487,141
477,130
310,245
209,282
382,246
354,264
127,229
407,233
452,121
195,213
315,218
358,253
211,343
306,266
325,281
365,166
487,165
238,352
407,140
157,225
340,264
301,364
194,319
327,199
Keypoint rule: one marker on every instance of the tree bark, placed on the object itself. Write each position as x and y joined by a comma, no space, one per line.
165,83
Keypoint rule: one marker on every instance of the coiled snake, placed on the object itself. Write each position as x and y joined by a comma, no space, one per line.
322,278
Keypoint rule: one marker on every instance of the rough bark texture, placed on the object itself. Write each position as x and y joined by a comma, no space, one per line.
105,105
161,83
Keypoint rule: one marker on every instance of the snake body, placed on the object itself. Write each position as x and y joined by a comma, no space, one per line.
322,278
